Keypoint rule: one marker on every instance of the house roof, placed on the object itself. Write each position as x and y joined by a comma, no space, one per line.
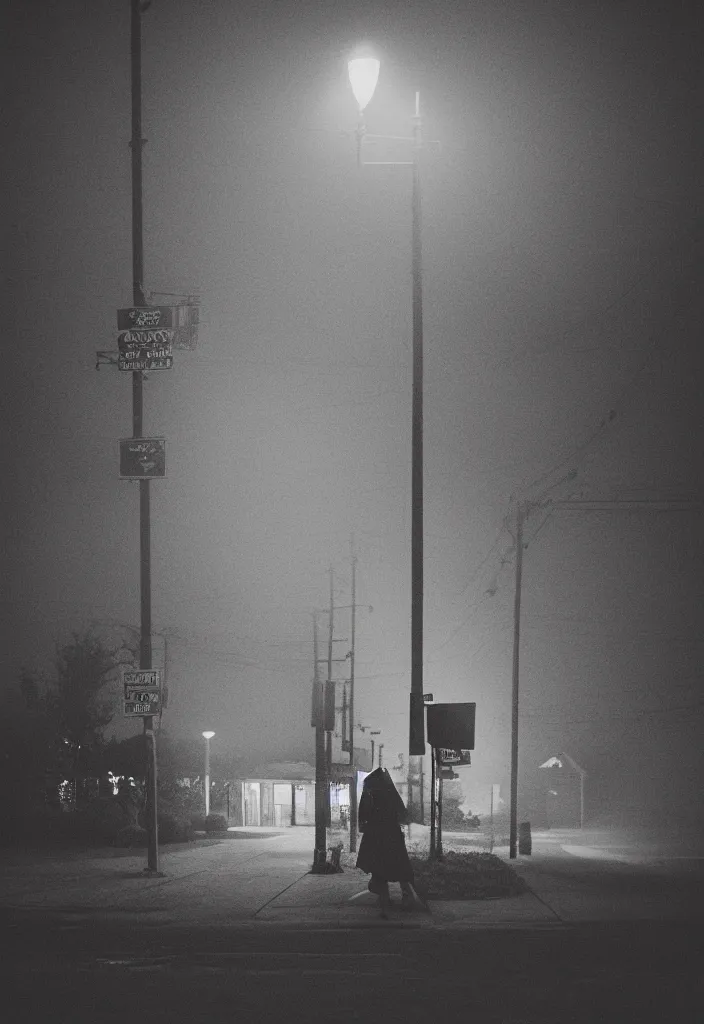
563,760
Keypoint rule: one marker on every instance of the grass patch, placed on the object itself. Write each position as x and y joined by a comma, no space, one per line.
466,876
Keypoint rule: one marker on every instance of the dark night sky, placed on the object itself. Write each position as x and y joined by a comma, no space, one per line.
563,243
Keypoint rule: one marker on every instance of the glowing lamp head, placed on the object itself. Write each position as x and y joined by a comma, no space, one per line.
208,735
364,74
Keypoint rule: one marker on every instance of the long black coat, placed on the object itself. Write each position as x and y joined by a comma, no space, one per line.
382,850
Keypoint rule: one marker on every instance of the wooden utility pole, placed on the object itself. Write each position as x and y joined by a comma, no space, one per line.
432,804
320,852
329,700
353,763
513,830
145,643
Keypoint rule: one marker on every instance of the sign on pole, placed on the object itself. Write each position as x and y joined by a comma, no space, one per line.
144,317
451,725
141,678
145,350
142,458
142,692
144,360
138,703
449,757
181,321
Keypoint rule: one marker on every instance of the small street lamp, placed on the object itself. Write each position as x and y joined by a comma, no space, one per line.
207,737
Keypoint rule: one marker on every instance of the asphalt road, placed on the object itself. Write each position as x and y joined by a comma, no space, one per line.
69,957
587,974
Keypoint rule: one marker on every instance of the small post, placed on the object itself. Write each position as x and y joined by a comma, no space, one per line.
438,773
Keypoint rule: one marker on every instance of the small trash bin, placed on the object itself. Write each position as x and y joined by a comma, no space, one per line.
525,842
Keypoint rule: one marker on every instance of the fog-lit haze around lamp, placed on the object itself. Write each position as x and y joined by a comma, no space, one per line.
364,74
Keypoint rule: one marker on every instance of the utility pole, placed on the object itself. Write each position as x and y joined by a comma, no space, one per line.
330,699
513,829
432,804
145,644
416,741
353,764
320,852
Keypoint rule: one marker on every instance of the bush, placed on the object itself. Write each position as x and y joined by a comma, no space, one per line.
39,822
131,835
173,828
198,822
466,876
216,823
100,820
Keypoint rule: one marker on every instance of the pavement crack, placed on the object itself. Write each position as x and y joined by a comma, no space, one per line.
276,896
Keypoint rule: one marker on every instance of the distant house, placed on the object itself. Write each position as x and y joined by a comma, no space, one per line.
562,787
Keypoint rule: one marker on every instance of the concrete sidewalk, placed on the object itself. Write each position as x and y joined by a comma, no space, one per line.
259,878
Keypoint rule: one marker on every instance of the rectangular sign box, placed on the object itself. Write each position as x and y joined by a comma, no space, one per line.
142,696
131,709
451,725
142,458
181,321
449,758
144,317
139,361
131,341
141,678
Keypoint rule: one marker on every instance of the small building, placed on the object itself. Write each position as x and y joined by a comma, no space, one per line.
561,783
282,794
277,795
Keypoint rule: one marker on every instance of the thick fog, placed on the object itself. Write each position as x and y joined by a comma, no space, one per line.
562,253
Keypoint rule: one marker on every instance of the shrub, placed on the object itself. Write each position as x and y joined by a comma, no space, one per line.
100,820
39,822
198,822
173,828
216,823
131,835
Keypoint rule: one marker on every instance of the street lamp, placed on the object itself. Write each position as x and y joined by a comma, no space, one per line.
207,737
363,75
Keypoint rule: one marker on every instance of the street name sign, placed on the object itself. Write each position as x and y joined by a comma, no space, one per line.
448,757
141,678
139,708
180,321
142,458
143,317
144,360
129,341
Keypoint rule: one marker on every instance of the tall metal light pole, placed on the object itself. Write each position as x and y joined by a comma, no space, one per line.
363,75
208,737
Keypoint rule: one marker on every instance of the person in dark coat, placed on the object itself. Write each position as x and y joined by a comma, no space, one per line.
382,851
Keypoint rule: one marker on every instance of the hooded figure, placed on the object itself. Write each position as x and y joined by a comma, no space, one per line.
382,851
